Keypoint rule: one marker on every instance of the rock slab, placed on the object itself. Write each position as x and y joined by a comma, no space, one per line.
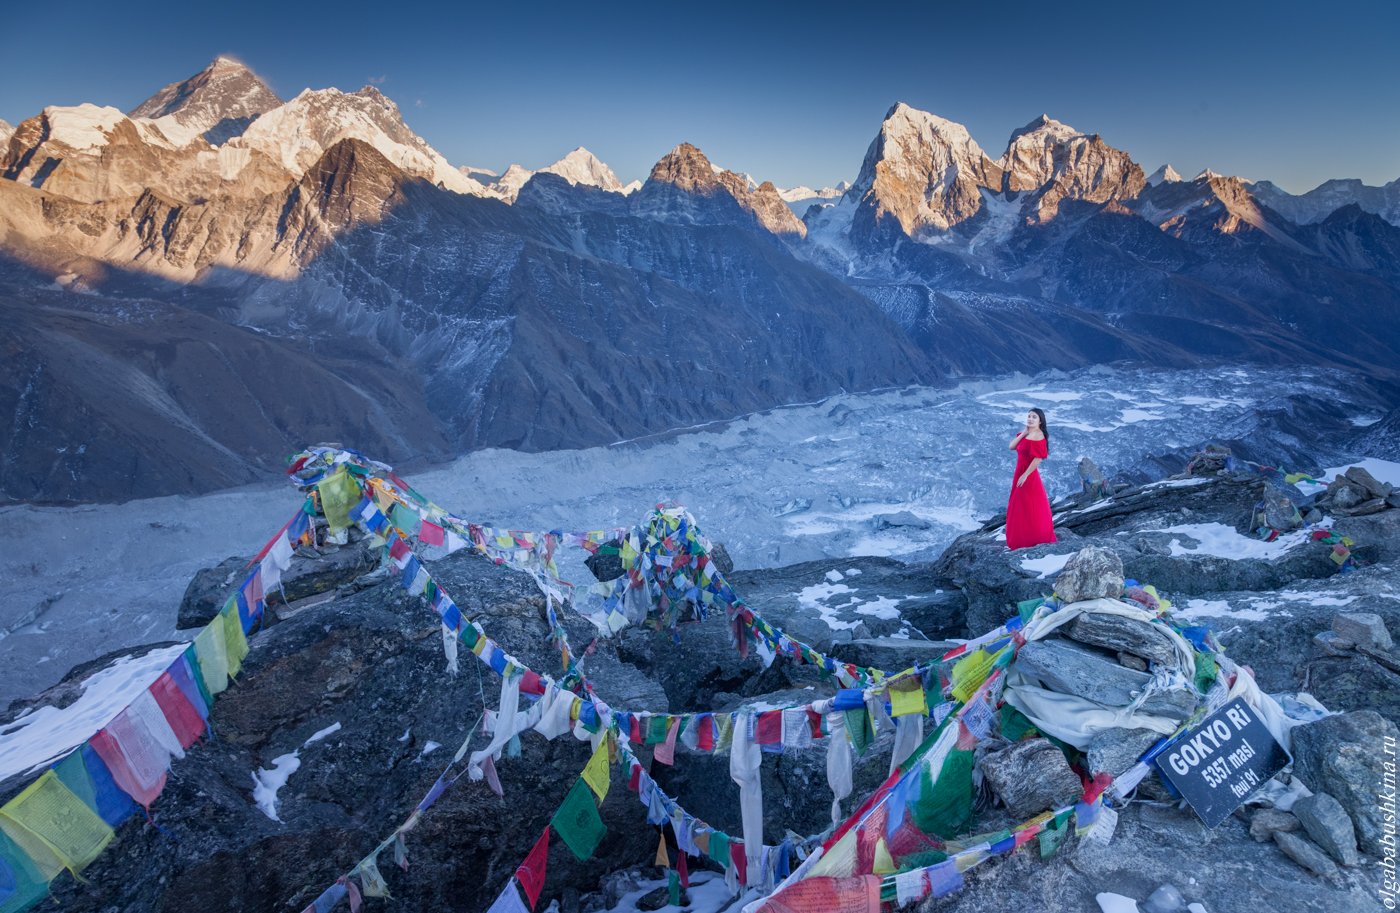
1029,776
1328,825
1346,755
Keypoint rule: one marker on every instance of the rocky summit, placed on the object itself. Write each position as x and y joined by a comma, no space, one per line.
342,717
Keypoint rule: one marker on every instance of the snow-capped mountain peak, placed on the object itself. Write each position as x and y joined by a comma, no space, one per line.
1060,162
578,167
924,171
299,132
217,104
1164,175
583,167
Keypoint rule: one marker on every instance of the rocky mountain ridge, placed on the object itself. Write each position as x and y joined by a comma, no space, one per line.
327,224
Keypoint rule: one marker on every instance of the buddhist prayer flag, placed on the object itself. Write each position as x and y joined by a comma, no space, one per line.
532,870
577,822
597,772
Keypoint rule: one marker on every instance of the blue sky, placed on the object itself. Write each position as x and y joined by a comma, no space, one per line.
1292,92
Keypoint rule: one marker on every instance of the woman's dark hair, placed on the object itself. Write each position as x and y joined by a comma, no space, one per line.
1044,428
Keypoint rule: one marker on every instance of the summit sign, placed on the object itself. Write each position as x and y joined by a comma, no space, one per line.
1221,762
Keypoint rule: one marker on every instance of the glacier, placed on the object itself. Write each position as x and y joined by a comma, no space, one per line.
778,487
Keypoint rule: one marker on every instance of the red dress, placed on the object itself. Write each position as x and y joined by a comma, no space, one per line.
1028,520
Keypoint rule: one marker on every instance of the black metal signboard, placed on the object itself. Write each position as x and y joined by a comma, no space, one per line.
1218,764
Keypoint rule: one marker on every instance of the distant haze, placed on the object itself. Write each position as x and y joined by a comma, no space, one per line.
788,94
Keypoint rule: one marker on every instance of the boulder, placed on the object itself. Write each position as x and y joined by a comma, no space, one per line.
312,572
1393,499
1306,853
1328,825
1342,494
891,652
207,592
1344,755
1366,628
1029,776
902,518
605,564
1365,508
720,556
1279,511
1268,820
1374,488
1333,644
1166,899
1115,750
1213,459
1126,635
1093,485
1132,662
1092,573
1070,668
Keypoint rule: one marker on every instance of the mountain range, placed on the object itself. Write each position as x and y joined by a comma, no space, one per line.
216,277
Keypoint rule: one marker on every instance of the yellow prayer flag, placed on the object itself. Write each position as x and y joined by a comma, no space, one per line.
235,643
969,673
47,819
339,493
597,773
883,863
211,649
907,697
663,858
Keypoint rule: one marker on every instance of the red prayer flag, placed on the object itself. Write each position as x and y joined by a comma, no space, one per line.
531,871
682,869
182,716
531,683
768,729
705,737
430,533
740,858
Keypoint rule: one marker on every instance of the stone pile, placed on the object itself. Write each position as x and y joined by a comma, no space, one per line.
1357,493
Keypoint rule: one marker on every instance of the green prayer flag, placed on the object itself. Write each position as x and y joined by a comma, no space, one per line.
405,519
719,848
673,887
859,729
1051,836
1027,609
1014,724
577,821
657,727
1206,671
944,806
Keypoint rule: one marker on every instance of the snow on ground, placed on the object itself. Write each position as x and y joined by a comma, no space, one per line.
791,484
1049,564
707,895
267,782
48,733
1216,608
1383,470
817,598
1223,541
332,728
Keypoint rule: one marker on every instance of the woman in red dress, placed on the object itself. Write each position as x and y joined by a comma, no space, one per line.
1028,520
